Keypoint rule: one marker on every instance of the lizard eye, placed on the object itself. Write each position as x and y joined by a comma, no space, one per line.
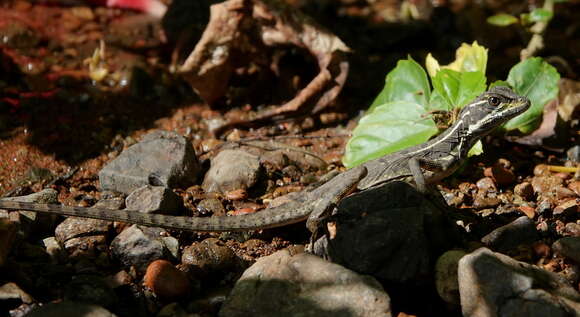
494,101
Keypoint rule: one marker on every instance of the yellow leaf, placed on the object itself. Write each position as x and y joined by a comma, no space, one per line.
468,58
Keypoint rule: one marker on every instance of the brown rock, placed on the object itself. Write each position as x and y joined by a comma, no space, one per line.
575,187
501,174
569,206
83,237
528,211
524,190
572,229
486,184
541,169
481,202
166,281
209,256
237,194
564,192
546,184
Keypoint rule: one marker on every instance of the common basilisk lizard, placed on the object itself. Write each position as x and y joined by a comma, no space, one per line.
422,164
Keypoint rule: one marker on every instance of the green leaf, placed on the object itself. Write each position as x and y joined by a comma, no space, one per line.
457,89
406,82
388,128
502,19
437,102
499,83
537,80
476,149
541,15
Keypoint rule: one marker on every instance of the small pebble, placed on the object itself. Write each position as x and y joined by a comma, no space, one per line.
524,190
237,194
166,281
575,187
528,211
486,184
569,206
541,169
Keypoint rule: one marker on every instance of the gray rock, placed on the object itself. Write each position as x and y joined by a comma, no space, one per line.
232,169
90,289
446,276
154,199
54,249
304,285
162,158
139,246
520,231
568,247
33,223
45,196
573,153
70,309
87,238
493,284
390,232
277,155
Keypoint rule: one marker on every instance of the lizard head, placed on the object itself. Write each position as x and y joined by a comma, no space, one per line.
492,109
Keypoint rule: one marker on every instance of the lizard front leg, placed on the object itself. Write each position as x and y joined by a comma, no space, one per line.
328,200
418,164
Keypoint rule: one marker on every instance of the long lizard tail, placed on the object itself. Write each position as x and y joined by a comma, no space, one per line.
288,213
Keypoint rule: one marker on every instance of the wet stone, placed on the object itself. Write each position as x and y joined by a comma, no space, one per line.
139,246
162,158
568,247
231,170
304,285
154,199
505,238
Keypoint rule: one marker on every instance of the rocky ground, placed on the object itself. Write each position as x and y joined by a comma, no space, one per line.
504,239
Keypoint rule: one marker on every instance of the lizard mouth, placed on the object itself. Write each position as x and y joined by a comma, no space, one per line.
515,108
